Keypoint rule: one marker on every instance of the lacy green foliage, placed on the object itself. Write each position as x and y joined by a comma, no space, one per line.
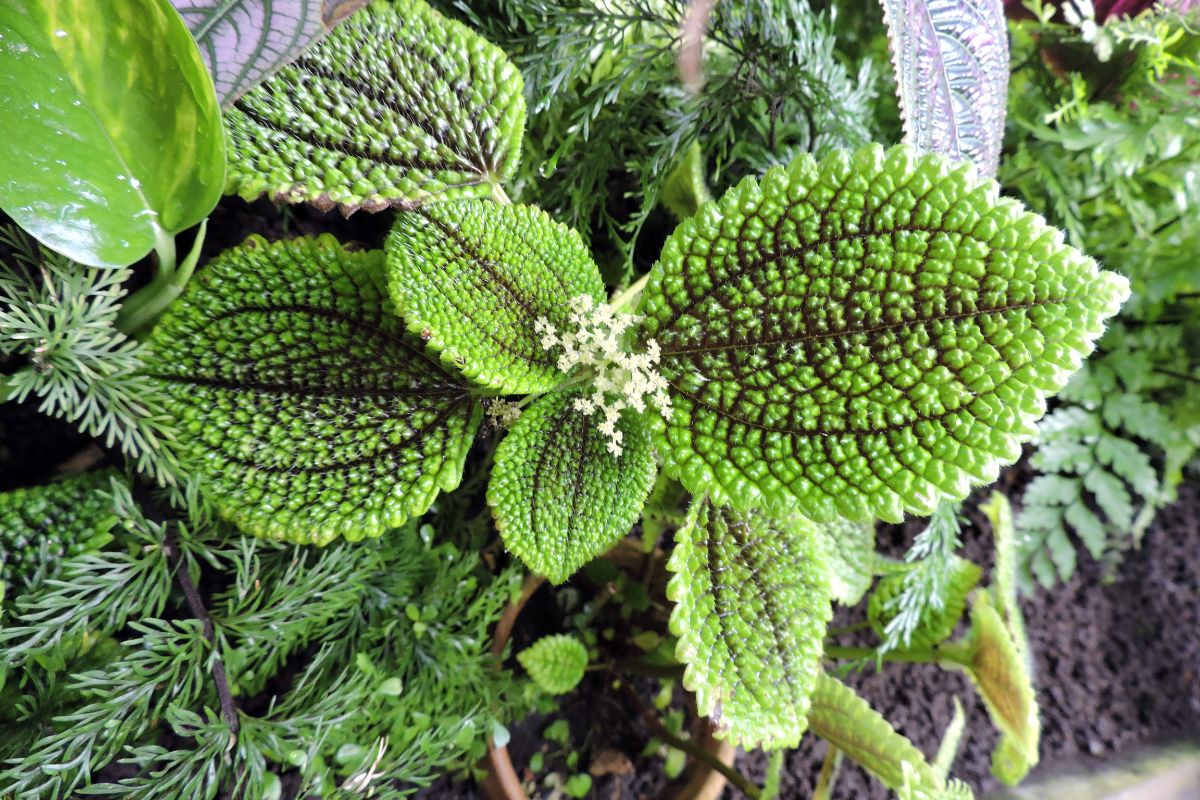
42,525
305,407
556,663
845,720
1109,156
395,107
951,62
1114,453
609,118
999,671
559,497
850,549
61,317
474,277
752,601
933,620
865,335
932,563
393,671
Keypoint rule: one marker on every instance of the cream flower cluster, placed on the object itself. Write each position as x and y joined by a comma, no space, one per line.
503,414
622,380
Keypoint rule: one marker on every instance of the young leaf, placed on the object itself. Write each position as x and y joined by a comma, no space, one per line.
304,404
752,601
1004,574
936,622
850,547
999,672
396,106
244,41
473,278
556,663
42,525
951,62
845,720
112,132
559,496
864,336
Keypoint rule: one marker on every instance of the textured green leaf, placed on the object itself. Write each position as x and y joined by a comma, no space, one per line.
307,408
850,548
752,603
845,720
937,623
396,106
999,672
244,41
864,336
473,278
1004,573
560,498
42,525
112,133
556,663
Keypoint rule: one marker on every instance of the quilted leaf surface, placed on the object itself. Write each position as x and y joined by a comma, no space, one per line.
306,406
395,107
752,602
864,336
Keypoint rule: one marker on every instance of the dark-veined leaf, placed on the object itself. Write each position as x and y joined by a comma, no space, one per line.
560,498
1000,674
244,41
304,404
845,720
951,63
112,133
752,602
473,277
864,336
396,106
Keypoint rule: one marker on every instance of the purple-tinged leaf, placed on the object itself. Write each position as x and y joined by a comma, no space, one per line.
244,41
951,61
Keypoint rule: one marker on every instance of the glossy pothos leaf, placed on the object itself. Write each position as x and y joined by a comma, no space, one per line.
845,720
951,63
864,336
556,663
752,601
560,498
999,672
473,278
850,547
395,107
245,41
112,133
305,406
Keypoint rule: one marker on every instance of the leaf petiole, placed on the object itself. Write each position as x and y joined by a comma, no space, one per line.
146,304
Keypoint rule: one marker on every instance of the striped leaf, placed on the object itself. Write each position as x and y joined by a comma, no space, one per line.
243,42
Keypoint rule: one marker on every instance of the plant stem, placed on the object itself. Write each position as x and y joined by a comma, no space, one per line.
499,195
744,784
830,768
147,303
631,294
949,653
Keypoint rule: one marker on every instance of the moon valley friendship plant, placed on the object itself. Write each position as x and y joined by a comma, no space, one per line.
851,336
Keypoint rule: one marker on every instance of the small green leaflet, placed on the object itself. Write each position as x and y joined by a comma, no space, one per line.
752,602
864,336
395,107
936,622
556,663
845,720
560,498
850,547
999,672
473,277
308,410
1004,575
